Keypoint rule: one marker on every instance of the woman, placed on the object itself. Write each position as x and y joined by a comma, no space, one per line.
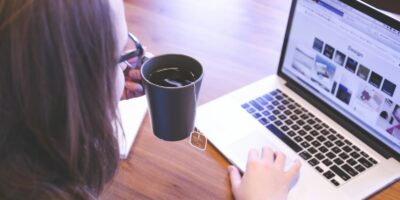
59,88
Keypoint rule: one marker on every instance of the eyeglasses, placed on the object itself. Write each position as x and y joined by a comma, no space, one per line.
132,53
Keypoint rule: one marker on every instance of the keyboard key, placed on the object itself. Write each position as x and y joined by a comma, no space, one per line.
323,149
278,123
308,138
325,132
329,174
316,143
372,160
275,103
281,107
336,150
335,182
305,155
272,118
245,106
332,138
291,106
325,125
270,107
356,148
319,156
302,132
311,121
276,112
287,112
313,162
339,143
285,102
343,156
340,173
304,116
311,115
330,155
319,169
338,161
365,162
360,168
327,162
317,120
305,144
273,93
297,111
328,144
251,110
294,117
289,122
355,155
261,101
300,122
256,115
312,150
314,133
347,149
340,136
282,117
347,142
349,170
351,162
295,147
321,138
279,97
307,127
364,154
263,121
268,97
291,133
332,130
295,127
318,127
266,113
298,139
256,105
285,128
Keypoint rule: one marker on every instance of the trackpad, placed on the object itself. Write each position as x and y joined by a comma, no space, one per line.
239,150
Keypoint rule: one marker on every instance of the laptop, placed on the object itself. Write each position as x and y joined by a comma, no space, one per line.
334,103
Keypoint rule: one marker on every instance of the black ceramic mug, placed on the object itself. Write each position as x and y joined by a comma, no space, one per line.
172,83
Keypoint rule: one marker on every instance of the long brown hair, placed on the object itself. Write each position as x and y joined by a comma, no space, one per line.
57,102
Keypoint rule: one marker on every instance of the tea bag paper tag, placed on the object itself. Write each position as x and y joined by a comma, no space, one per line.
198,140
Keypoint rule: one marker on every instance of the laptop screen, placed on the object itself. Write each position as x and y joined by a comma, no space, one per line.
349,60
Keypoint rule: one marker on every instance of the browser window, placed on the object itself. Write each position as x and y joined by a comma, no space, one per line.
349,60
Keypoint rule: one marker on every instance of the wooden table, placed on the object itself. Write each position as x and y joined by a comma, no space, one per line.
238,42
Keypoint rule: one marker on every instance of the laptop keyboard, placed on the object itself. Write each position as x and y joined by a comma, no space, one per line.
327,151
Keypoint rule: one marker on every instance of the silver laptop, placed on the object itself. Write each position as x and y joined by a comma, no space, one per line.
334,102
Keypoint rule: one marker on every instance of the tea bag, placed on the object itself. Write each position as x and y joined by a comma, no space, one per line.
198,140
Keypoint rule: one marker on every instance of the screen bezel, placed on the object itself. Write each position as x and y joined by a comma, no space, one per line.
344,121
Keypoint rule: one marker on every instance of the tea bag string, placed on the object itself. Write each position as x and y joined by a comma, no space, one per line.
197,139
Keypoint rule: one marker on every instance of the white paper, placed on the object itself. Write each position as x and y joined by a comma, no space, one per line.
131,113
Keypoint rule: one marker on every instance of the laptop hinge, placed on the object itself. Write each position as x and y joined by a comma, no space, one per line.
357,131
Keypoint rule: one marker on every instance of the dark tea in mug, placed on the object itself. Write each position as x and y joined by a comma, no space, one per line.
172,77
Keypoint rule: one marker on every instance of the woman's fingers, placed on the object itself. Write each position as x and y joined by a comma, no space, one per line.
134,75
280,160
293,171
235,178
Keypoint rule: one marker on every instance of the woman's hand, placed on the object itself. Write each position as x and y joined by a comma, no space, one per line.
265,177
133,80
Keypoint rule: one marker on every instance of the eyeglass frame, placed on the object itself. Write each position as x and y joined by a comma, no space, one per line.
138,52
